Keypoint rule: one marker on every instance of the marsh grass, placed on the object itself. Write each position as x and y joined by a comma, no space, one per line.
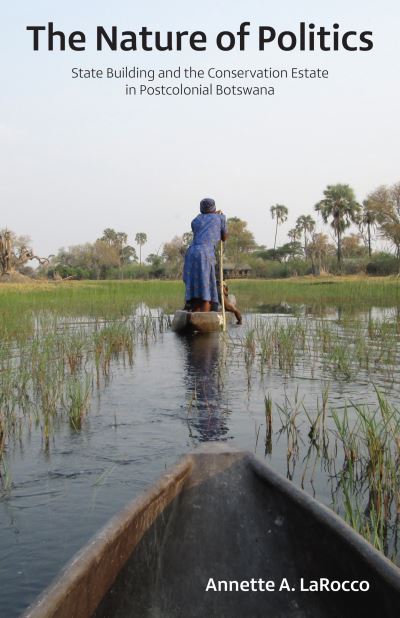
291,419
356,446
48,371
334,349
268,424
108,300
370,478
116,299
351,293
60,342
77,398
359,449
111,342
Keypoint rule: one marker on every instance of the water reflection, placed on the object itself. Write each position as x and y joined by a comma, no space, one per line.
203,366
321,310
282,308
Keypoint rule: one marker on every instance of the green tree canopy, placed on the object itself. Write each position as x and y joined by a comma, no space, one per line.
384,204
319,249
240,240
288,251
353,246
157,264
305,225
173,254
367,222
294,234
118,241
340,208
92,258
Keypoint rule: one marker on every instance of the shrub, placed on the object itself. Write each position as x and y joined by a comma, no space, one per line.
272,269
129,271
383,264
350,266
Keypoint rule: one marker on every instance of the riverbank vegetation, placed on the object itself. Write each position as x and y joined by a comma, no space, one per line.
18,302
342,236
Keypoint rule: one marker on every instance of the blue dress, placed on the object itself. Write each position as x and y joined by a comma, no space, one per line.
199,267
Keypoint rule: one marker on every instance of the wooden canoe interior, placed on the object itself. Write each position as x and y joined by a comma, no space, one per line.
228,517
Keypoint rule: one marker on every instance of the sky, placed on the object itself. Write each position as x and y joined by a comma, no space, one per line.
79,156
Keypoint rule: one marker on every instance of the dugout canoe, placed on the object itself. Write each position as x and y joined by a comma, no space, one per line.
200,321
197,321
222,516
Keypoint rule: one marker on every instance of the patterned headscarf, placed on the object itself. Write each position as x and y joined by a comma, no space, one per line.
207,205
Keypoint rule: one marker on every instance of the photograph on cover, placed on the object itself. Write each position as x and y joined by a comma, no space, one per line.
199,309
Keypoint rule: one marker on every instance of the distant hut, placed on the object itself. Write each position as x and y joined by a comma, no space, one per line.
236,271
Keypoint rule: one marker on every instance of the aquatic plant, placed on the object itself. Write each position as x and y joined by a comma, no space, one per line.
77,398
339,349
359,447
44,374
58,344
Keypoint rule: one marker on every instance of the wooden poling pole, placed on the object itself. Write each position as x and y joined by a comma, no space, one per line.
221,282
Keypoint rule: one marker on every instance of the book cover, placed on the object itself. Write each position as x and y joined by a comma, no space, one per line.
199,245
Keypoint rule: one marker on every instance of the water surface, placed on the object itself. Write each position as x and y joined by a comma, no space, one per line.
178,393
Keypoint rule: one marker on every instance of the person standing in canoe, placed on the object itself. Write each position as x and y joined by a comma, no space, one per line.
209,227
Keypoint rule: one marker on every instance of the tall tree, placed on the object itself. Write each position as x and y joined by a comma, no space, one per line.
111,237
384,202
240,240
289,251
140,239
305,224
319,248
294,234
353,246
173,253
94,259
341,208
15,252
128,254
102,256
119,240
280,213
367,222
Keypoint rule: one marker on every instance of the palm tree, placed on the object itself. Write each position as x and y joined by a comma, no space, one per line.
140,239
341,206
306,225
280,213
294,234
368,220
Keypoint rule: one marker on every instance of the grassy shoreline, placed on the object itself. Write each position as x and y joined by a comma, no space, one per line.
95,297
22,303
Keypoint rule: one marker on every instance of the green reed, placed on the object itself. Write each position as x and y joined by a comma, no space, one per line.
358,447
349,292
77,395
48,375
336,349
